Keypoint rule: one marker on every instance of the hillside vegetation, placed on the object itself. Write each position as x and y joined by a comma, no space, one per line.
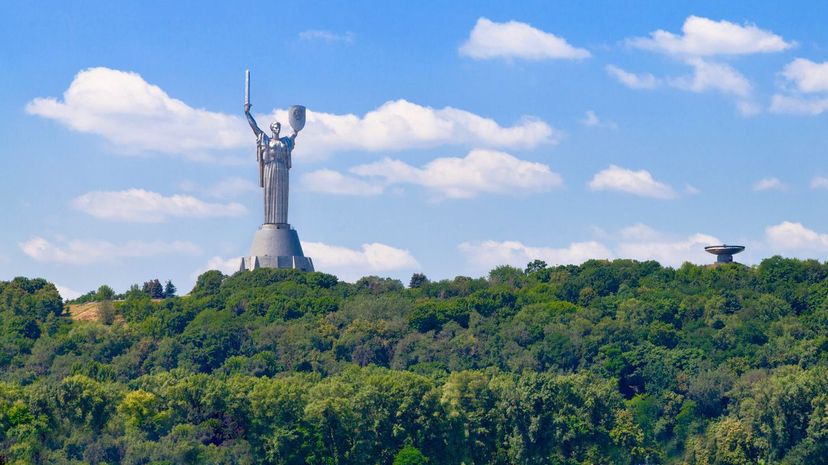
617,362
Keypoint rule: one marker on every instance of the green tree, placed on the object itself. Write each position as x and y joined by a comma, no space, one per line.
208,283
153,289
169,289
104,293
418,280
410,455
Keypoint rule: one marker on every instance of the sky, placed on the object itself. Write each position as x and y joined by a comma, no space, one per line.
444,138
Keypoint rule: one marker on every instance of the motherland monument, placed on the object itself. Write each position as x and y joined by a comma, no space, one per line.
276,244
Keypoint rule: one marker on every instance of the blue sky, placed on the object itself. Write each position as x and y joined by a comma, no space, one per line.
442,137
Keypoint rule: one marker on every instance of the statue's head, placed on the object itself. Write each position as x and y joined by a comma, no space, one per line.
275,127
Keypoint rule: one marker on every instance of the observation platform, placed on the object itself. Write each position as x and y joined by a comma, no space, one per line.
724,253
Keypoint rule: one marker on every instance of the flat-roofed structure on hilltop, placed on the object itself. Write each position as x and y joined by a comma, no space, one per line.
724,253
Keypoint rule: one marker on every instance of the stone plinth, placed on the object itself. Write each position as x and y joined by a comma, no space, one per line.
276,246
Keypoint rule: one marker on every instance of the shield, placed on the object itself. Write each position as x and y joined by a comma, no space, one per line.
297,117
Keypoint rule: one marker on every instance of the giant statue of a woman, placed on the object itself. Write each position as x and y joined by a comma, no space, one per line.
276,244
273,154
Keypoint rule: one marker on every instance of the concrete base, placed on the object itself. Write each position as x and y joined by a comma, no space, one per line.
276,246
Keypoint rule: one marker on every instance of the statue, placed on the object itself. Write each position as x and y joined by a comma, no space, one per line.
274,156
276,244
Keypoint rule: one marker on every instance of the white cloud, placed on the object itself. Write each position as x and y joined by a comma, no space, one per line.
67,293
638,242
706,76
794,236
401,125
486,255
767,184
137,116
713,76
819,182
84,252
227,266
668,250
807,75
639,183
333,182
141,206
796,105
706,37
631,80
592,120
517,40
326,36
479,172
641,242
691,190
344,262
369,258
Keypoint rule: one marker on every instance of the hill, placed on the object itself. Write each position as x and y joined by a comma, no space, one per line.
618,362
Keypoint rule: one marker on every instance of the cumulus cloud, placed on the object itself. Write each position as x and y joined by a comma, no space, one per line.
797,105
639,183
141,206
66,293
642,242
819,182
792,236
591,119
479,172
401,125
713,76
632,80
514,39
136,116
638,242
372,257
334,182
326,36
84,252
706,76
485,255
667,250
227,266
768,184
350,264
807,76
706,37
345,262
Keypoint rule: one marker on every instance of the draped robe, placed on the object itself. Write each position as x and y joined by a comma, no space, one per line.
276,159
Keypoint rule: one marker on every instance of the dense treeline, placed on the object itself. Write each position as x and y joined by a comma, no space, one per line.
617,362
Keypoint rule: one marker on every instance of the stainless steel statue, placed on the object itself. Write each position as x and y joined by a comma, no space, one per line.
274,156
276,244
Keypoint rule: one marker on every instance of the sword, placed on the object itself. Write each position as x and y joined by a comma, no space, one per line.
247,87
259,155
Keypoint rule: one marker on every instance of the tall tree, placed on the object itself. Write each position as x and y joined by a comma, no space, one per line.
169,289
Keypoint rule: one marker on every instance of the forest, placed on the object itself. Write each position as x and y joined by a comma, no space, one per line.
609,362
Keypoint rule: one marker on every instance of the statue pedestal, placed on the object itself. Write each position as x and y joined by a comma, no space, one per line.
276,246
